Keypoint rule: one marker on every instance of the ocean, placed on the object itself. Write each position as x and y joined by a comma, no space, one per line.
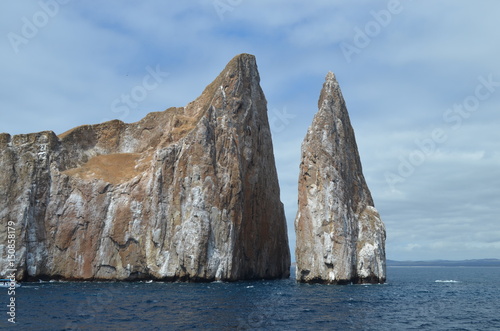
414,298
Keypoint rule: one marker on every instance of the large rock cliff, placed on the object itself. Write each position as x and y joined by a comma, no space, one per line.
185,194
340,236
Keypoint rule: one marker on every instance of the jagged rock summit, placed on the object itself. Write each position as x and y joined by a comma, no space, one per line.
340,236
185,194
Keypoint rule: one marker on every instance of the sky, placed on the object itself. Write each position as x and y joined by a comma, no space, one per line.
421,80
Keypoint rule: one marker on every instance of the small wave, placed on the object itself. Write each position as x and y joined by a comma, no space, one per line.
446,281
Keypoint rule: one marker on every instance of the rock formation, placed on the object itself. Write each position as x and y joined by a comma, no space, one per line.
185,194
340,236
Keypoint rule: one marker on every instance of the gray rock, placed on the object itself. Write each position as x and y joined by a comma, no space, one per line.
340,236
185,194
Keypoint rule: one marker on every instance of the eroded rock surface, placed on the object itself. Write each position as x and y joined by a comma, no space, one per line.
185,194
340,236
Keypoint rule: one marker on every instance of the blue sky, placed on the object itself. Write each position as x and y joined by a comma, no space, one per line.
421,81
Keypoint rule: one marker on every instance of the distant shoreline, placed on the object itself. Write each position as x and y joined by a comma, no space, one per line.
446,263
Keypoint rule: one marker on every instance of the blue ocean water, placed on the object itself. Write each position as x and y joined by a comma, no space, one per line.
427,298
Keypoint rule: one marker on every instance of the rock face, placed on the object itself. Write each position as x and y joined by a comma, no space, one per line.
340,236
185,194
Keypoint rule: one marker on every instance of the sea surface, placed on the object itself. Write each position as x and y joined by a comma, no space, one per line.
414,298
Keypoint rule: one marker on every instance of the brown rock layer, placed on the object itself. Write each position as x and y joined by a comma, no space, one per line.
185,194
